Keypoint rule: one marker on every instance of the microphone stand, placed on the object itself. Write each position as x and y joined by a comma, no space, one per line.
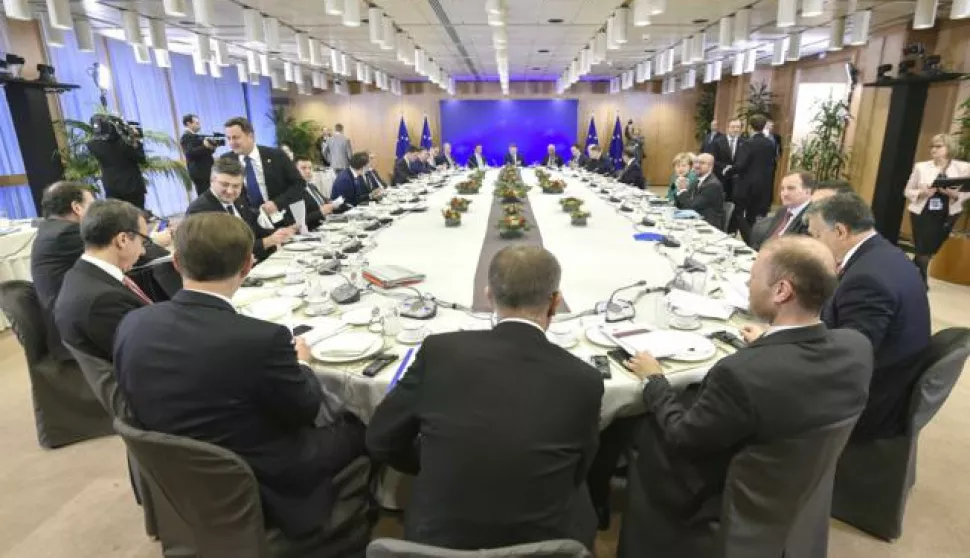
619,310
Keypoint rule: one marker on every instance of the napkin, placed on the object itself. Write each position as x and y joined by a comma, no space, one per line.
346,345
337,202
701,305
686,214
323,328
735,289
298,210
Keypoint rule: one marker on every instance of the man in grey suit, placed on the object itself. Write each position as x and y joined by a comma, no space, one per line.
338,150
797,377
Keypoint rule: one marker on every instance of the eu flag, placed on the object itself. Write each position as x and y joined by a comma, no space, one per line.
591,137
403,139
426,135
616,145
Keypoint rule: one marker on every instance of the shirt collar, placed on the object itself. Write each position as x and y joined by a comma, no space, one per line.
703,178
214,295
776,329
254,155
521,321
854,249
799,208
108,268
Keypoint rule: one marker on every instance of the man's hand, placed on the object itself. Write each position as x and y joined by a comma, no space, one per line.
208,144
751,332
278,237
302,349
326,209
377,194
643,365
270,208
163,239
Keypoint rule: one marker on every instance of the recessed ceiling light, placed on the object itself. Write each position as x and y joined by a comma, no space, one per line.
699,21
543,51
556,20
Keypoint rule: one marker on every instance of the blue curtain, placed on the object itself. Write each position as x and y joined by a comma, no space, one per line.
15,201
259,104
72,66
142,92
214,100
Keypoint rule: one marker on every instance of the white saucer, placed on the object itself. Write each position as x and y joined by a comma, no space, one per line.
376,343
268,271
700,348
299,247
405,339
597,337
270,309
565,341
292,291
358,316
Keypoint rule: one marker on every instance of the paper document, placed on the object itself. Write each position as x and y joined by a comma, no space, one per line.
701,305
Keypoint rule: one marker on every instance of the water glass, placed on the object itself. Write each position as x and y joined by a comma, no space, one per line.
661,312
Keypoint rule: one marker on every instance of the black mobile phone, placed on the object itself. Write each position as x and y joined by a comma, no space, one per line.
602,364
301,329
619,356
378,364
729,338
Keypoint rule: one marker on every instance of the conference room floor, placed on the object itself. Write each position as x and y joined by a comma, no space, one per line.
77,502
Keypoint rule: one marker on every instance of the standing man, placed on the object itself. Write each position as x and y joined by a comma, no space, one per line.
552,160
337,150
707,145
477,159
272,182
775,139
795,193
317,205
445,159
120,159
724,148
754,171
512,157
198,152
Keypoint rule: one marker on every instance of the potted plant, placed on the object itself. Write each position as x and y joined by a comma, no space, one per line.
300,135
760,100
452,217
823,152
570,204
512,209
468,187
459,204
704,113
512,226
579,217
553,187
950,263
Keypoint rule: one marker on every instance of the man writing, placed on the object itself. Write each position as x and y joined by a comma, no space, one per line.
597,163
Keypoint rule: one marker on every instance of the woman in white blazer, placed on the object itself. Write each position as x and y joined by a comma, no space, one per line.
934,210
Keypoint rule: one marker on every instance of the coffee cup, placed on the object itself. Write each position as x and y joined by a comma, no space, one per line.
683,319
413,332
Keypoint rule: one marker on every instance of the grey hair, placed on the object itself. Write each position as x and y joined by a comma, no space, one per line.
846,209
523,276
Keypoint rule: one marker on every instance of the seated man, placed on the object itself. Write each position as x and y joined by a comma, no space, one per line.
796,377
512,158
58,243
375,185
796,194
597,163
317,205
96,294
498,464
477,159
193,367
882,295
350,184
707,198
445,159
423,165
223,196
405,168
578,160
631,174
552,160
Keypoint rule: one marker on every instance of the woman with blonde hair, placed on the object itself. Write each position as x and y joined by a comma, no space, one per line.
683,173
932,209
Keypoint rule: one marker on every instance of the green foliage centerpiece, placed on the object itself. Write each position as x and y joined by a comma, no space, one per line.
452,217
553,187
579,217
459,204
510,186
570,205
468,187
512,224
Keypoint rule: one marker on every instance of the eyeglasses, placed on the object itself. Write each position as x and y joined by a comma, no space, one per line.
145,239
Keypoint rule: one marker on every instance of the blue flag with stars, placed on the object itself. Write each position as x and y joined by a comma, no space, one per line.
403,139
616,145
591,137
426,135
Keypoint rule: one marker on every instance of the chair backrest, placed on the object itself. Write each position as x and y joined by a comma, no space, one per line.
211,489
728,213
18,300
394,548
166,276
779,494
100,375
944,361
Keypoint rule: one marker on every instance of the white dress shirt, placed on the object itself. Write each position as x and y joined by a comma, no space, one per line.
258,167
214,295
521,321
481,162
108,268
776,329
793,213
851,252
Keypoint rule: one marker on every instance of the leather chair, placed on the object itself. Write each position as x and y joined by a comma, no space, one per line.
392,548
158,279
760,232
874,477
728,214
65,408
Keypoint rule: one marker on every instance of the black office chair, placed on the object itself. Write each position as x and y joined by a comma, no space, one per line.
728,213
874,478
66,410
158,279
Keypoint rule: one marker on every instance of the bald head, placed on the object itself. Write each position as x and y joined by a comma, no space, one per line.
793,271
705,164
523,277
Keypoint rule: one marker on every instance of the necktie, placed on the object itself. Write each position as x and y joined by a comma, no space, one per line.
313,193
734,143
131,286
252,184
783,224
230,210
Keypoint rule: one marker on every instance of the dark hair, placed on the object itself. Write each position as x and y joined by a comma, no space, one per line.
630,152
837,186
244,124
59,196
297,159
807,177
188,118
106,219
849,210
212,246
803,262
338,127
523,276
359,160
757,122
228,165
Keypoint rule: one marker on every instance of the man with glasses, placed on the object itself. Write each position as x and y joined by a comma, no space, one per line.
96,293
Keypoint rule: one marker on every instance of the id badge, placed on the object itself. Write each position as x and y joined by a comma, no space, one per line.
936,204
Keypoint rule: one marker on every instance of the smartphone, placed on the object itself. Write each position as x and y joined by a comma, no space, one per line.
619,356
378,364
602,364
301,329
162,225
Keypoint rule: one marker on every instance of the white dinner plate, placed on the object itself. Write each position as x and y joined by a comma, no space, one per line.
699,348
566,341
292,291
597,337
270,309
268,271
358,316
370,344
299,247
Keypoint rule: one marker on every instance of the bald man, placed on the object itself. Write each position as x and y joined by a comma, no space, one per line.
552,160
707,199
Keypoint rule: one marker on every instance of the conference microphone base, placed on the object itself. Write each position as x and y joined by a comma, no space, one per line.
418,309
616,311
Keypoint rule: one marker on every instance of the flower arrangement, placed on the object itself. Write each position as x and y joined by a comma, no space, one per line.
459,204
512,209
543,176
570,204
468,187
512,226
553,186
509,194
579,217
452,217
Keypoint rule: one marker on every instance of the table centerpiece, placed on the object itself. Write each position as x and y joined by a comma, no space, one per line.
452,217
459,204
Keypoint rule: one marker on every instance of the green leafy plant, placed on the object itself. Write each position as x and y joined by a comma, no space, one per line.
822,152
962,133
300,135
704,113
760,100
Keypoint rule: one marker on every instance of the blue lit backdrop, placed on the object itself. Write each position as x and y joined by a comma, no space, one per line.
531,124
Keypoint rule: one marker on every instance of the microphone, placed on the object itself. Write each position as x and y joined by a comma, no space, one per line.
418,307
619,310
348,293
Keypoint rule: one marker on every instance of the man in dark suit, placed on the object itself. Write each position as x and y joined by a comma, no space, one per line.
270,178
58,243
707,145
631,174
795,193
597,163
423,165
198,152
96,294
881,295
496,466
120,160
707,198
350,184
317,205
774,390
578,160
375,184
445,159
512,157
552,160
724,148
194,367
477,159
754,170
406,167
774,138
223,196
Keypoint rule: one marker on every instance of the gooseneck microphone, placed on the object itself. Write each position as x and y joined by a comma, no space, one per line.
621,310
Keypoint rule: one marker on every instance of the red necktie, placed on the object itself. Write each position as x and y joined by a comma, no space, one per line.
131,286
780,228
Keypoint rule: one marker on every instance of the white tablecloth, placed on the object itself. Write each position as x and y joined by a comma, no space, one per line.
595,260
15,259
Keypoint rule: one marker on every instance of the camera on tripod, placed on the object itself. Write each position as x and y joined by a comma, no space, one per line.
217,139
111,128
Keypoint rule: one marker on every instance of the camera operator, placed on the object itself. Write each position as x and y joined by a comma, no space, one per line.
198,150
119,151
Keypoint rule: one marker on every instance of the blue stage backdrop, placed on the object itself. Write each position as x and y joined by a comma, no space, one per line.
530,124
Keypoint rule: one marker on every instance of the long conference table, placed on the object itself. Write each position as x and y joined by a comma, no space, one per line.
596,260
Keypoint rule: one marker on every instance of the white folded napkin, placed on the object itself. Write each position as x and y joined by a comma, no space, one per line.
346,344
338,202
735,289
701,305
323,328
298,210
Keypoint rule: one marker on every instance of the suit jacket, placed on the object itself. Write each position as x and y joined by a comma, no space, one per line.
473,162
284,185
404,171
556,160
56,248
707,145
198,159
374,181
775,139
632,174
493,474
515,160
925,172
707,199
338,151
314,214
445,160
90,307
209,202
353,190
579,162
603,166
754,167
720,148
796,225
882,295
781,386
242,389
120,170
